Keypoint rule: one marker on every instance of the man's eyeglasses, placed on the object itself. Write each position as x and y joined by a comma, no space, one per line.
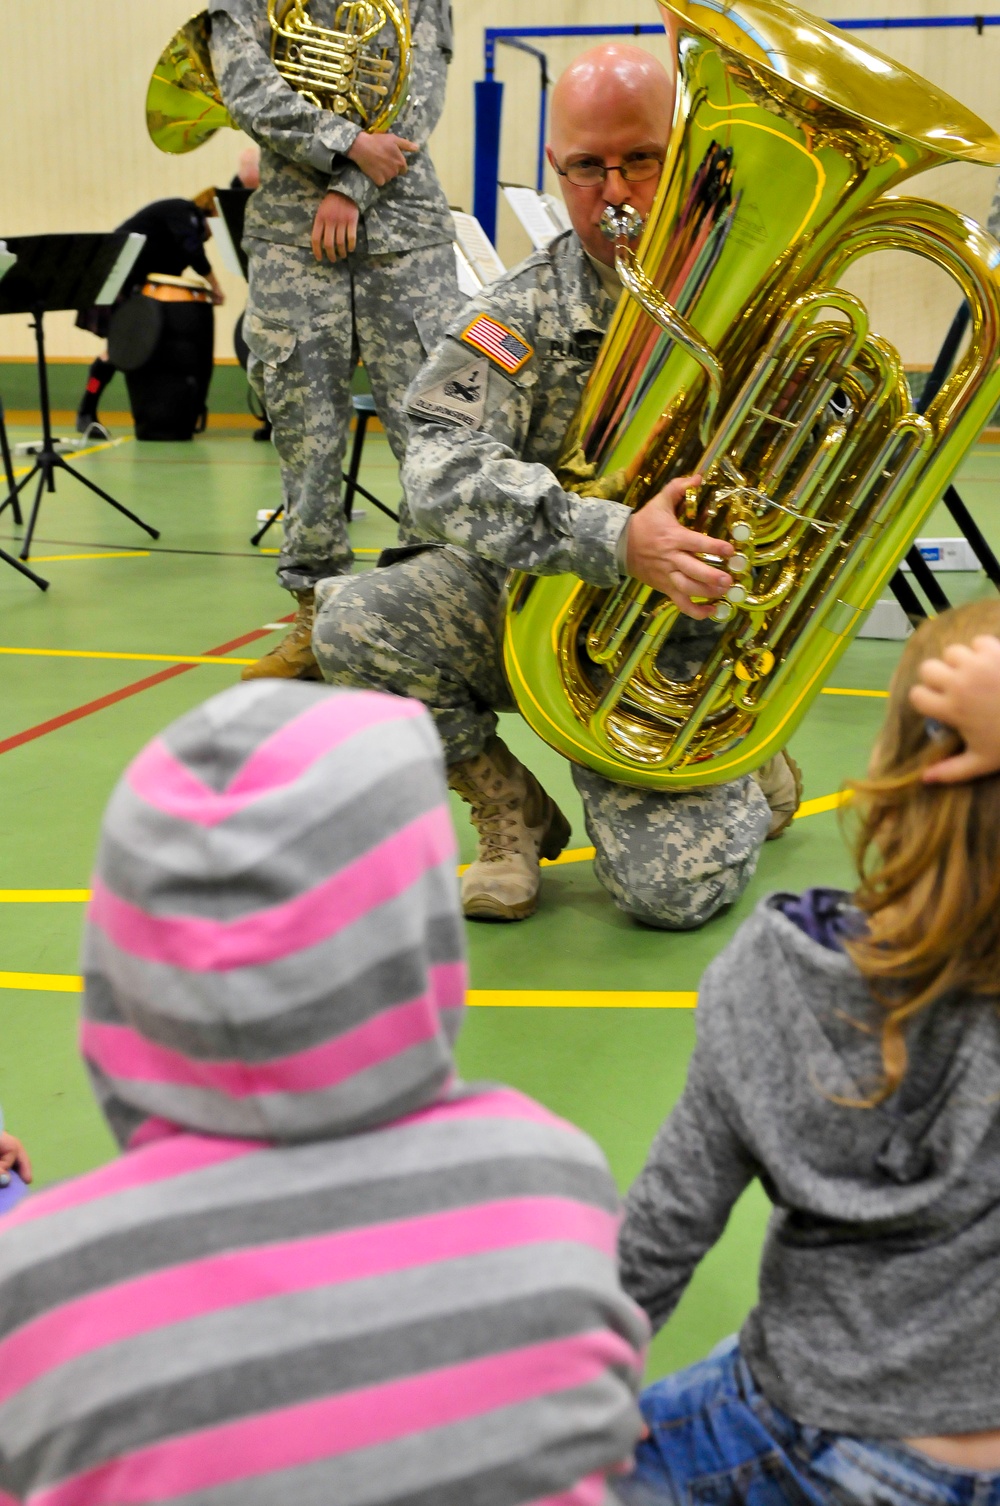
637,168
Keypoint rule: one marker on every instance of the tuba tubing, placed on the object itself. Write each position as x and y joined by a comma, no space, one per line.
734,354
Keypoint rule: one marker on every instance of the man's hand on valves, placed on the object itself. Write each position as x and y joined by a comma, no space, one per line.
662,553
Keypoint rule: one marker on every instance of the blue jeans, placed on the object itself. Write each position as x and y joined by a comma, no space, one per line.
715,1440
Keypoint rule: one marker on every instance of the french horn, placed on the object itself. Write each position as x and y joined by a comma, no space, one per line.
345,68
734,355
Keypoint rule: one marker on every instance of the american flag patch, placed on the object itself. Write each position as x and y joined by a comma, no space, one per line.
498,342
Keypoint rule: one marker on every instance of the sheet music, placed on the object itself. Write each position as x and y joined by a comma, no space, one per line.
477,248
7,260
115,280
558,211
469,282
227,251
535,216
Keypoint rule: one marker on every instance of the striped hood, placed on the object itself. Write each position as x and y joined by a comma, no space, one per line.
274,947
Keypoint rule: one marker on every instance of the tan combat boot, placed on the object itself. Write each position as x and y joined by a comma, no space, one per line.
517,822
781,781
293,658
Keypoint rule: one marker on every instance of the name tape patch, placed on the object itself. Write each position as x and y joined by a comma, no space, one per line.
498,342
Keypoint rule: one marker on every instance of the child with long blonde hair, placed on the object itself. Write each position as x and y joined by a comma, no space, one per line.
848,1057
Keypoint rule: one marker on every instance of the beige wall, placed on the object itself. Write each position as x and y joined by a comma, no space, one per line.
75,155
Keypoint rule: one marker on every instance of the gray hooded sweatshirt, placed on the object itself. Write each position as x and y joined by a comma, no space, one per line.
324,1271
879,1302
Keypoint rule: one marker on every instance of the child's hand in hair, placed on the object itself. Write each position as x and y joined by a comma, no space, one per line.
13,1157
962,690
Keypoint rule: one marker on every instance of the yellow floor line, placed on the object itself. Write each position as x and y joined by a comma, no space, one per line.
92,449
49,983
807,808
880,695
586,998
357,551
82,653
822,803
115,554
44,896
571,855
478,998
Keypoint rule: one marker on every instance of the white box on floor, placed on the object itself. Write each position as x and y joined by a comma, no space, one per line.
946,554
886,620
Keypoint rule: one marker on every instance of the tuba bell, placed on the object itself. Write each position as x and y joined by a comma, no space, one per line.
348,69
734,355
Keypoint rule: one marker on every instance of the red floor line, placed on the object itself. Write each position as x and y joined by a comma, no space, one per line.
79,712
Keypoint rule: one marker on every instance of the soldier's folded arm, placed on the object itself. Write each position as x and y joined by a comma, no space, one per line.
468,486
420,114
266,107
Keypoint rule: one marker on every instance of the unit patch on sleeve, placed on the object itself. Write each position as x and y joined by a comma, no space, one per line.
459,398
498,342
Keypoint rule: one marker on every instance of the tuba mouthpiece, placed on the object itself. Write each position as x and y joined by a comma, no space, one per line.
622,222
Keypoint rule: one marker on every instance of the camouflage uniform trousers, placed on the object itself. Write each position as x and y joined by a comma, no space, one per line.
307,323
429,627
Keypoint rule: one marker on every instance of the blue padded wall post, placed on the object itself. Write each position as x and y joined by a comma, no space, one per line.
489,109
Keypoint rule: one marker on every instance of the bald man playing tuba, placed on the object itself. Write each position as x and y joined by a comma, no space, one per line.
488,414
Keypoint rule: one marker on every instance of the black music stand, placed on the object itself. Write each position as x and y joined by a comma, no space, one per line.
62,272
364,409
901,588
232,206
7,261
951,499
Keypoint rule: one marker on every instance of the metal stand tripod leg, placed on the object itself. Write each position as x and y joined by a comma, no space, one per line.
256,538
351,483
951,499
374,501
13,499
9,559
58,463
8,470
970,528
926,580
48,461
351,479
907,597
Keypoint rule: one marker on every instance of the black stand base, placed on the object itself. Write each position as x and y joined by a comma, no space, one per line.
9,559
8,466
364,408
907,597
970,528
48,461
12,498
922,573
267,523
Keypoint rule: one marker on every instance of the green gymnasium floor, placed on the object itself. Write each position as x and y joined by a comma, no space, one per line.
576,1006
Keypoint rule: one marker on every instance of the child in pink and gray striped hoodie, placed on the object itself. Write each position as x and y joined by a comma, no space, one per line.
325,1270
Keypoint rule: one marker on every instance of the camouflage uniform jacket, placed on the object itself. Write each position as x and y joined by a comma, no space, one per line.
302,148
484,439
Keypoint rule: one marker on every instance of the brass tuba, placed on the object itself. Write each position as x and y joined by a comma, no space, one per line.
735,356
345,69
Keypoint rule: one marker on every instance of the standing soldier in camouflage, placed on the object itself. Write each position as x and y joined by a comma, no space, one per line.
349,238
488,416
